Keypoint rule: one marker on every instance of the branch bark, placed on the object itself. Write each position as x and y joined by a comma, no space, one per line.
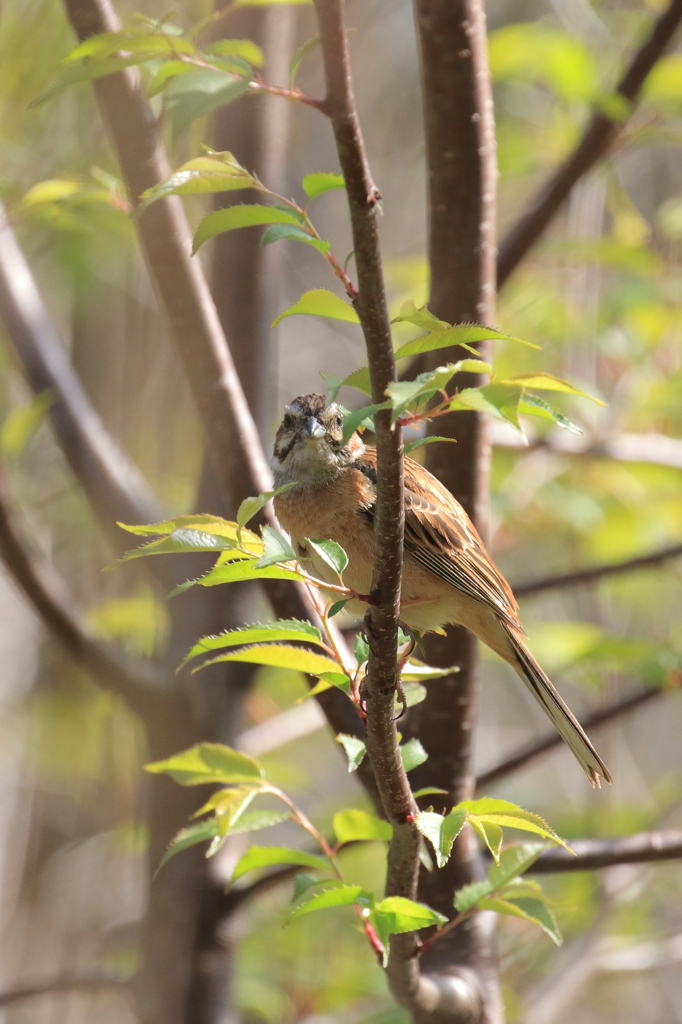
460,151
597,139
31,990
537,748
597,572
591,854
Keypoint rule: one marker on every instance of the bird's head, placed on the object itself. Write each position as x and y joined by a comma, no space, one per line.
309,447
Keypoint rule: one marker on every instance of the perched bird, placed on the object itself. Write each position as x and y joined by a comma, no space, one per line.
448,576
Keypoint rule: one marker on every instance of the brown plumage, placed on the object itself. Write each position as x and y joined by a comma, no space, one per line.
448,576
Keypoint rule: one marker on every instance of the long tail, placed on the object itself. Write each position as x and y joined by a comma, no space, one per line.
562,717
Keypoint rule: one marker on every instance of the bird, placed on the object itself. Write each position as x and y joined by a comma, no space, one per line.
448,576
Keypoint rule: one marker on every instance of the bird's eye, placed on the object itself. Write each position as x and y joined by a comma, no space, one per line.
339,420
287,421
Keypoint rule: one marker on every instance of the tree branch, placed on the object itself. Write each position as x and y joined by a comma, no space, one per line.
140,683
591,854
537,748
598,572
382,617
594,144
30,990
655,448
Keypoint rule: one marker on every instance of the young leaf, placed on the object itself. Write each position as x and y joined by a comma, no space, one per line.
299,56
253,821
280,656
283,629
352,825
325,895
504,813
533,405
252,506
191,96
320,302
490,834
355,750
513,861
181,541
205,174
245,216
440,831
205,523
358,379
244,48
413,445
277,232
268,856
464,334
302,881
428,791
276,548
337,607
209,762
330,552
542,381
532,910
499,400
412,754
199,832
419,317
237,572
403,915
321,181
361,418
415,671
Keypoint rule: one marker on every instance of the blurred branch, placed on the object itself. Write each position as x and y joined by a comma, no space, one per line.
571,579
654,448
29,990
595,142
407,985
590,854
536,749
112,482
135,681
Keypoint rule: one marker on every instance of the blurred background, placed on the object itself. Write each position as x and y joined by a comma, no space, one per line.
602,295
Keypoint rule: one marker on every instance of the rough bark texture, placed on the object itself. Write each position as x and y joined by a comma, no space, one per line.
460,147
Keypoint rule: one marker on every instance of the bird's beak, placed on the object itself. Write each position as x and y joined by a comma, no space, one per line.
313,428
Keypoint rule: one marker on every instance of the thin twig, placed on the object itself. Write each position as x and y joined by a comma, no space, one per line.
537,748
140,683
598,572
594,144
383,613
31,990
591,854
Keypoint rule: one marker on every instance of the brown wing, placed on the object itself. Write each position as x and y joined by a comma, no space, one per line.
440,535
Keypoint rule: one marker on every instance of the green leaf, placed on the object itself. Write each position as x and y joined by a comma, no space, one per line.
419,317
269,3
504,813
337,607
361,417
130,41
532,910
426,385
268,856
233,217
403,915
208,762
203,175
322,181
533,405
302,881
513,861
250,507
280,656
355,750
464,334
440,831
360,649
415,672
253,821
412,754
299,56
205,523
413,445
244,48
498,400
276,548
283,629
22,424
330,552
428,791
490,834
199,832
170,69
237,572
320,302
277,232
352,825
358,379
328,894
542,381
189,97
181,541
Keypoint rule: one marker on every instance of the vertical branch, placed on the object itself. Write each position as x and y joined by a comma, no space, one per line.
460,148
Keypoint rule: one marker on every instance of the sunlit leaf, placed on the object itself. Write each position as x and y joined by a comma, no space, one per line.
533,405
321,181
250,507
412,754
513,861
542,381
208,762
412,446
278,232
321,302
283,629
276,548
328,894
192,96
355,750
428,791
199,832
244,48
361,417
245,216
237,572
330,552
352,825
440,831
531,910
203,175
403,915
280,656
491,835
464,334
419,317
268,856
504,813
498,400
416,672
206,523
